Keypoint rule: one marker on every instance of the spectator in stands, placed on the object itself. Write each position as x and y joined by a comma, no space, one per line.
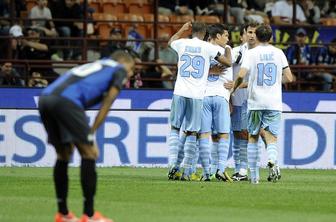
327,56
329,9
282,13
141,48
166,7
156,74
183,7
33,48
301,54
115,35
37,80
4,14
166,54
311,11
9,76
237,10
179,7
43,13
68,9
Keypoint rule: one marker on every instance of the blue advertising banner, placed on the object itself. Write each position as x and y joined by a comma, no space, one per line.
25,98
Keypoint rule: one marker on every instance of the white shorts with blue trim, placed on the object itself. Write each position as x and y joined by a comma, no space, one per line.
267,119
215,115
188,110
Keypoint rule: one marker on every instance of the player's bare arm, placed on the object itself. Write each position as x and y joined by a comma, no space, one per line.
242,73
105,107
288,77
180,32
225,59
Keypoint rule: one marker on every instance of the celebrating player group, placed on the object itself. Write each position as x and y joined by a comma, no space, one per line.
210,76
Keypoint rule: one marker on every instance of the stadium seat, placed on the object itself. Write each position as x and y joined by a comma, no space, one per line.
180,19
328,21
114,7
207,18
137,19
139,6
163,28
104,28
95,4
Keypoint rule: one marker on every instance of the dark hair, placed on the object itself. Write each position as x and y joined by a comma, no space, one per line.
215,29
242,29
198,27
120,54
264,33
252,24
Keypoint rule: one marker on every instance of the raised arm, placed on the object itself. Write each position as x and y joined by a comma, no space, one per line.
225,59
180,32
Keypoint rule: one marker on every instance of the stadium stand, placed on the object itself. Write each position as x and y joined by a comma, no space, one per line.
135,19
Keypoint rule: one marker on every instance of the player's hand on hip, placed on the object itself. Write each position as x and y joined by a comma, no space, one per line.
228,85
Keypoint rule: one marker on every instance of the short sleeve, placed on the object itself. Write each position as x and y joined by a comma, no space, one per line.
118,79
213,51
300,15
246,63
276,9
48,14
284,61
177,44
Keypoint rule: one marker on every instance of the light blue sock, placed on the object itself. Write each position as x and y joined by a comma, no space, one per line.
173,143
235,152
223,152
252,155
214,157
189,153
180,154
243,154
196,157
272,153
204,151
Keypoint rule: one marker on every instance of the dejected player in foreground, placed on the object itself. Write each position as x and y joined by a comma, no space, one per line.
62,106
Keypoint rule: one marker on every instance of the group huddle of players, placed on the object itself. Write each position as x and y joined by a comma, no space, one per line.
213,79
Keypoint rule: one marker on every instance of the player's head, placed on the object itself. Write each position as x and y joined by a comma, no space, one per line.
264,33
125,59
198,30
251,33
219,33
242,32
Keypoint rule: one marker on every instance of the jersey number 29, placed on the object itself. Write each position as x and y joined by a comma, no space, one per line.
267,74
196,62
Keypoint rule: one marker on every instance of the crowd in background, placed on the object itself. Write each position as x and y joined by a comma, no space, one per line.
26,42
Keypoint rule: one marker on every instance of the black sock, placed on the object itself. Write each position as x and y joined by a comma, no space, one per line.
61,185
88,181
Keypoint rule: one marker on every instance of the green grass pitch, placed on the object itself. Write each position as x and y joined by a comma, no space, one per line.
145,195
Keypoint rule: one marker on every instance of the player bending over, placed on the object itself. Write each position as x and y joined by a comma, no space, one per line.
62,108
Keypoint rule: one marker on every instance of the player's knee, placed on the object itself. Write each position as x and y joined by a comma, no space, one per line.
204,135
191,133
244,135
223,136
88,151
64,153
